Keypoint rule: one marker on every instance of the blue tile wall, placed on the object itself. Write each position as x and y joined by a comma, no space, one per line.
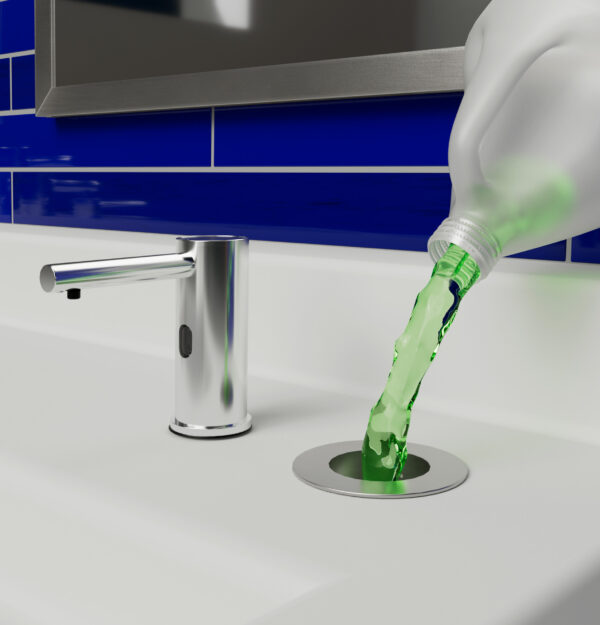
586,248
16,25
5,197
308,208
23,82
408,130
396,210
555,251
4,84
179,139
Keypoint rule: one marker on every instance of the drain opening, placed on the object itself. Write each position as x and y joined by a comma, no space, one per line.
350,465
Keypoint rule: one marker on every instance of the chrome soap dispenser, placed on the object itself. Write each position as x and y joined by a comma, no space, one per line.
211,324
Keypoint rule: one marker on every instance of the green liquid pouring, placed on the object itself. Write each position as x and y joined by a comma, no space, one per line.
384,448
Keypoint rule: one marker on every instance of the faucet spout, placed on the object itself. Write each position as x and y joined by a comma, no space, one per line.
66,276
210,334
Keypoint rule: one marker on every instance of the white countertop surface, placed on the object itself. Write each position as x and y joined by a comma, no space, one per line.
109,518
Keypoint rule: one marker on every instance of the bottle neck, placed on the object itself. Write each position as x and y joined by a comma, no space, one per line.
481,246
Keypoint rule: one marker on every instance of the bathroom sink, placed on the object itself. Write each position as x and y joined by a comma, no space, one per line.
108,518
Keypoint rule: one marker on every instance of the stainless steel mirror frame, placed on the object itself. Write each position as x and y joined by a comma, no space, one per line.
379,75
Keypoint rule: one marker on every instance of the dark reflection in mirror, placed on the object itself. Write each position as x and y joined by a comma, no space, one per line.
103,40
153,6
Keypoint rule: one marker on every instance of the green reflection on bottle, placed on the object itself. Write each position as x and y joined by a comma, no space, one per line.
522,197
384,447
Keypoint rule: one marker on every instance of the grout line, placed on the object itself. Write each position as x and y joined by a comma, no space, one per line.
10,83
212,136
17,111
12,199
10,55
569,250
285,170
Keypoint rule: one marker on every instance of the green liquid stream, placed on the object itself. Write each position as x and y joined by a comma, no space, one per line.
384,447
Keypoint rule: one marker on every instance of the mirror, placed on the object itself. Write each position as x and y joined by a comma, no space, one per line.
98,56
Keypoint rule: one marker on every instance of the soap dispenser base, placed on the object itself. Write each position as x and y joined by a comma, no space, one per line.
210,431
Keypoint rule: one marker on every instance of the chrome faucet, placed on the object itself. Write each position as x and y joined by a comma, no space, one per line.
211,324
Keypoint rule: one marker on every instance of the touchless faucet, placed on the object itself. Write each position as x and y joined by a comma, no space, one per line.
211,324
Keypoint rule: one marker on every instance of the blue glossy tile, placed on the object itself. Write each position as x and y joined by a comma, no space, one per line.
153,139
397,211
407,130
554,251
5,198
4,84
16,25
586,248
23,82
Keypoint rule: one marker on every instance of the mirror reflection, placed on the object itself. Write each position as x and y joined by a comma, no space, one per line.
105,40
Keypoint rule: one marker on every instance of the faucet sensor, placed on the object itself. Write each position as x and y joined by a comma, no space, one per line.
211,324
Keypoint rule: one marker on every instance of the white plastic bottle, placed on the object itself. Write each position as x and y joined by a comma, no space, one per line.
525,147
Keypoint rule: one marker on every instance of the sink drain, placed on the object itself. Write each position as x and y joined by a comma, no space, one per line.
337,468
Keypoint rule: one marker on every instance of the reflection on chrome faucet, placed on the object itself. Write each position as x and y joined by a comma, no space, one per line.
211,318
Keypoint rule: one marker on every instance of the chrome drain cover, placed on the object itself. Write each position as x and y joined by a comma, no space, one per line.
336,468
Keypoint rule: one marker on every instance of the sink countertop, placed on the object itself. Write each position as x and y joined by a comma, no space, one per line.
109,518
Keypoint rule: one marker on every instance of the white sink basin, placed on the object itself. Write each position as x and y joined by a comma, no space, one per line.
108,518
